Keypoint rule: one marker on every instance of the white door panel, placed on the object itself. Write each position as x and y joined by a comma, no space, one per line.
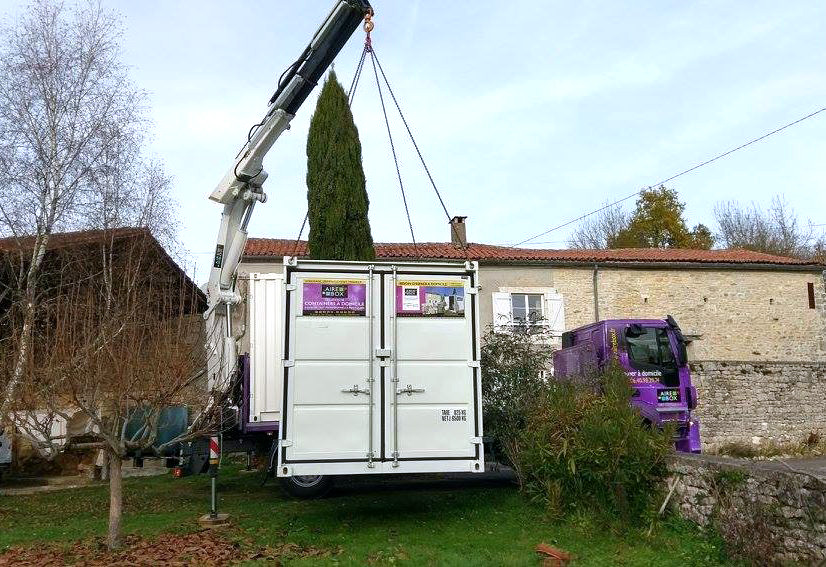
430,369
443,439
322,383
325,432
265,303
331,338
330,351
431,338
442,382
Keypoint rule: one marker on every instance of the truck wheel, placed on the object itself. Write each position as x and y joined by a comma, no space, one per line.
314,486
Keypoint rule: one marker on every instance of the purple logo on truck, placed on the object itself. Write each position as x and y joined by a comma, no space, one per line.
334,297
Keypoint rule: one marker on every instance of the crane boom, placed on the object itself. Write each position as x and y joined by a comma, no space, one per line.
242,186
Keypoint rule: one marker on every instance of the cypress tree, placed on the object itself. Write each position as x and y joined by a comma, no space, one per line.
337,200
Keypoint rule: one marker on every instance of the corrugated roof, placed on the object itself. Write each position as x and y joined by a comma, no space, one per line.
489,254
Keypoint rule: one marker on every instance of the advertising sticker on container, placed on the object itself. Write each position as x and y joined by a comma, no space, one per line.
334,297
430,299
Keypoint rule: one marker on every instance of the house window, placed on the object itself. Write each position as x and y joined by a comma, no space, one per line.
810,288
526,308
539,308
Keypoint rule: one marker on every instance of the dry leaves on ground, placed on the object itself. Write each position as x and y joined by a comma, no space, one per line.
206,548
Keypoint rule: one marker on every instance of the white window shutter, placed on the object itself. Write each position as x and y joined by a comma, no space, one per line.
501,311
555,314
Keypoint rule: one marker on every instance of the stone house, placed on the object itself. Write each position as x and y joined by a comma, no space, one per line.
757,322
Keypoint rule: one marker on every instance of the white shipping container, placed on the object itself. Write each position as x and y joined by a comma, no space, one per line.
368,367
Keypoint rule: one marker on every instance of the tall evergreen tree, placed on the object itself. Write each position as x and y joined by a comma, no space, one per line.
336,195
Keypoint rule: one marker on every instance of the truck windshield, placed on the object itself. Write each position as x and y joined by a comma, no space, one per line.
649,350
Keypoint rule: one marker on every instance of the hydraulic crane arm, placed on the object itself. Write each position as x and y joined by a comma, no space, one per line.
241,187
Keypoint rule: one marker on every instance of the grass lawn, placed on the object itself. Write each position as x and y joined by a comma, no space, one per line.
447,524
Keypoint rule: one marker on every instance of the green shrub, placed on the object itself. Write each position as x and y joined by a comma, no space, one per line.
514,370
586,448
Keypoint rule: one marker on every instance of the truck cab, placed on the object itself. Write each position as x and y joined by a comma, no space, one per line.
653,354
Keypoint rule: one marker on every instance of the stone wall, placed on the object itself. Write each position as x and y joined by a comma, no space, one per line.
759,402
763,510
739,314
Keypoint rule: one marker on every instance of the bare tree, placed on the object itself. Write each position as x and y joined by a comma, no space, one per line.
775,230
102,332
71,127
600,230
120,344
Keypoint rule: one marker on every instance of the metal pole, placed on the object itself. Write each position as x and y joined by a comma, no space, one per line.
214,451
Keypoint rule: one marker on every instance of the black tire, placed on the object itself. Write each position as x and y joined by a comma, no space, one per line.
307,486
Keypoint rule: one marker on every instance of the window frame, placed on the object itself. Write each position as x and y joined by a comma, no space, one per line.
542,321
551,305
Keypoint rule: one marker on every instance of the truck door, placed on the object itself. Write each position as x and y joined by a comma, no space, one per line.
430,385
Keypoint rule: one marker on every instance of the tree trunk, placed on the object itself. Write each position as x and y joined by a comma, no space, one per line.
19,364
32,280
115,539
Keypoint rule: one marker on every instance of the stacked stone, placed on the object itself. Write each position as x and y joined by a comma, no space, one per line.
759,403
790,504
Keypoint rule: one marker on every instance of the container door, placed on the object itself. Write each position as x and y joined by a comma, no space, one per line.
266,304
329,368
431,396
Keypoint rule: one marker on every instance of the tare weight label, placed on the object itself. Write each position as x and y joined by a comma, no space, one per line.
452,415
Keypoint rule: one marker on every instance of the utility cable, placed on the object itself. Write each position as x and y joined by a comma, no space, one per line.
664,181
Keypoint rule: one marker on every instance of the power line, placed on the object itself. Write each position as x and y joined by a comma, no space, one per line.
664,181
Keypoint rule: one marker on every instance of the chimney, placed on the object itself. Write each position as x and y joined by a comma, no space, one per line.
458,232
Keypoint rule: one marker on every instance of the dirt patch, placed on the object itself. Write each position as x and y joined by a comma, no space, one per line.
201,548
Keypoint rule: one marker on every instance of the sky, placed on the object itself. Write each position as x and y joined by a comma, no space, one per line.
528,113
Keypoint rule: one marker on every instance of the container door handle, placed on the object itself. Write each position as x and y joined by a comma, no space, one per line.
355,390
410,390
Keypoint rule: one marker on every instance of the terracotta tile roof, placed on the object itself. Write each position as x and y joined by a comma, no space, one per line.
489,254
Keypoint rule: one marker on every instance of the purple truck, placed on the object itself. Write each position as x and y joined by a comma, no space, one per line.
653,354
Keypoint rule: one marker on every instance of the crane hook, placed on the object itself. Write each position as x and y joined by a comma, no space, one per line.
368,21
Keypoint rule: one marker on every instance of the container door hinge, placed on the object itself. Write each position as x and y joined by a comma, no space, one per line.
290,287
473,290
289,363
285,443
370,463
476,440
473,363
